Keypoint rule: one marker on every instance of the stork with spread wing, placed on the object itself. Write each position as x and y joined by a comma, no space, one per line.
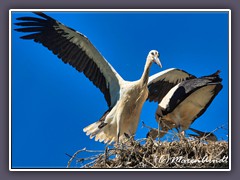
124,98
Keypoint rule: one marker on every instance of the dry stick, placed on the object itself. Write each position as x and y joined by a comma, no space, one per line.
94,158
175,134
76,153
217,128
219,154
146,126
88,158
130,138
105,155
149,162
88,164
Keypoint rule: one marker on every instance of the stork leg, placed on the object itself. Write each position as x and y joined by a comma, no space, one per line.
118,129
106,154
180,133
158,115
118,136
159,119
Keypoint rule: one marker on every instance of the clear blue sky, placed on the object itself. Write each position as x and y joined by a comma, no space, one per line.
52,102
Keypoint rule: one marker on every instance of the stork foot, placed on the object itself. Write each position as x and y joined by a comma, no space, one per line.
181,135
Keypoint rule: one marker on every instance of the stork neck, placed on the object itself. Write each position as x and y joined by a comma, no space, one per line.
145,75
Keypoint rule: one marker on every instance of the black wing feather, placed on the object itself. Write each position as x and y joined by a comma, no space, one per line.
59,39
160,85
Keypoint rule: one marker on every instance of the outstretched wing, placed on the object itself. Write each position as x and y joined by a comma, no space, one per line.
75,49
161,83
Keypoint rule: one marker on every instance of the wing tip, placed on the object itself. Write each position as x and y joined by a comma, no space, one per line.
39,13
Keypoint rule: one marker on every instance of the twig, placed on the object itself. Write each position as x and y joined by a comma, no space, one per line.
76,153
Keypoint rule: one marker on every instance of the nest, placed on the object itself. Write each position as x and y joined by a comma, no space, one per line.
148,153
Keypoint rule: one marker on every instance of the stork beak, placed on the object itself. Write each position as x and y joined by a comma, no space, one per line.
157,61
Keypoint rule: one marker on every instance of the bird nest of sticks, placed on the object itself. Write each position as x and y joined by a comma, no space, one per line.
149,153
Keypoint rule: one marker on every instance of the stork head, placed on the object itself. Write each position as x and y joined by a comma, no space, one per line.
153,55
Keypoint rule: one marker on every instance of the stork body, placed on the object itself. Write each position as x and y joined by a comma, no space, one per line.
123,118
187,101
124,98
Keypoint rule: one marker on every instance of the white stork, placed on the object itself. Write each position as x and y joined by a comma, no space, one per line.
187,101
125,99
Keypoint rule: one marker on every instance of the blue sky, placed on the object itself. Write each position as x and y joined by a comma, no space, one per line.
52,102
